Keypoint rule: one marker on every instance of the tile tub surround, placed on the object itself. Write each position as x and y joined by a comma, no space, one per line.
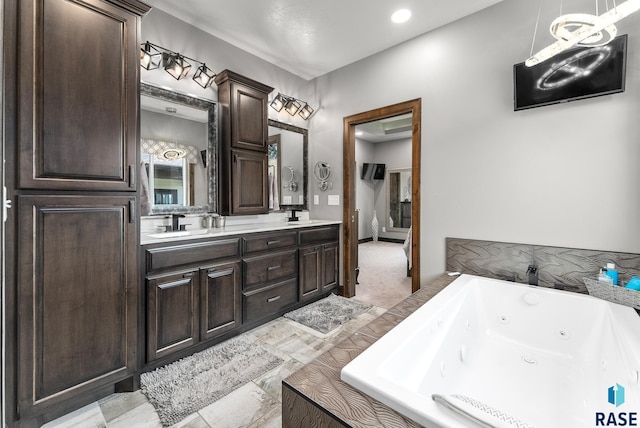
314,396
555,264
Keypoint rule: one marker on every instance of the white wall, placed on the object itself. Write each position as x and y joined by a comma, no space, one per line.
563,175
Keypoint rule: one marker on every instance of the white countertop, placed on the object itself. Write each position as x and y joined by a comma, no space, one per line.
166,237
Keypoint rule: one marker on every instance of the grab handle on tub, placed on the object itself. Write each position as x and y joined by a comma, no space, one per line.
478,412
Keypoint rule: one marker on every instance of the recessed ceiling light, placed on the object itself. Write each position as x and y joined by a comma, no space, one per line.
359,133
400,16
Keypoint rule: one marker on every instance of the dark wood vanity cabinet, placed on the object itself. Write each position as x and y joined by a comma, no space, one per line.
71,121
193,294
249,182
220,309
186,307
200,292
77,299
172,313
270,270
78,65
243,148
318,262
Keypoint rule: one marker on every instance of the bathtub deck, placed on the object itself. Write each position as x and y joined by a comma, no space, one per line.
315,396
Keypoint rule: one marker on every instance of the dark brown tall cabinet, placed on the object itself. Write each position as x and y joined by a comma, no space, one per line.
71,169
243,154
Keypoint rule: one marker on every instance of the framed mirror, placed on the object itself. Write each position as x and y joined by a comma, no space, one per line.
179,141
398,217
288,169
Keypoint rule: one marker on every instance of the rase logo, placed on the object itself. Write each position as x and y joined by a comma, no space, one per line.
615,396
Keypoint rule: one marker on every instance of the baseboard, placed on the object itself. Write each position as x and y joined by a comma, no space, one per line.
393,240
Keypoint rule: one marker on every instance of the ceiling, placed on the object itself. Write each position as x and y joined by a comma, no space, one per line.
388,129
309,37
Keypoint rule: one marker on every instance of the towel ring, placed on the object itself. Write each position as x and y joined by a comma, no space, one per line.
322,172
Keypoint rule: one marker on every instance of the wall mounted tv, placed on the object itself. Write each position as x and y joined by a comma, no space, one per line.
373,171
574,74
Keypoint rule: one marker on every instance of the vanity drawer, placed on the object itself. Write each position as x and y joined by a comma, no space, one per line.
269,300
258,271
178,255
319,234
272,241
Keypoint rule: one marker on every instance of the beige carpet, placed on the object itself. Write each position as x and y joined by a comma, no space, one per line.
383,280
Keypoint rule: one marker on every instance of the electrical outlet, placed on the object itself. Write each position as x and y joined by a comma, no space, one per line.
333,199
316,199
286,200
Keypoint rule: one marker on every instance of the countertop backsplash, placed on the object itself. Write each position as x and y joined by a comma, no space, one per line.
557,266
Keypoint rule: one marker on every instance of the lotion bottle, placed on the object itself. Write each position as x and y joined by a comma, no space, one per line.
612,273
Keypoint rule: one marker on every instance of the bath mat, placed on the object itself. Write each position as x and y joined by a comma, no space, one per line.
328,313
188,385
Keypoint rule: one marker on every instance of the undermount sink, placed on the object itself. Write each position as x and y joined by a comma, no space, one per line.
177,233
306,222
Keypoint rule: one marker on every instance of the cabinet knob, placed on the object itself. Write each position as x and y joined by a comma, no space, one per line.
273,299
270,268
188,275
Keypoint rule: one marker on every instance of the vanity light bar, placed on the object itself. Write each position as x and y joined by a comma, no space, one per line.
292,106
176,64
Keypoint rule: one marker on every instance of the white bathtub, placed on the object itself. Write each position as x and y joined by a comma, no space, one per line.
496,349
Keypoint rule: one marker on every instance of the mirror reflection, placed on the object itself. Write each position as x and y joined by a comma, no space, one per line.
288,175
399,199
178,142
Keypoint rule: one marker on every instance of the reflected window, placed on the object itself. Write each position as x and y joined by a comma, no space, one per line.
168,180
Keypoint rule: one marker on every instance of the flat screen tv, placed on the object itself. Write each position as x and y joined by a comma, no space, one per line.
574,74
373,171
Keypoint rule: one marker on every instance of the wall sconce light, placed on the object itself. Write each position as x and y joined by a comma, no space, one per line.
150,57
292,106
306,111
176,64
204,76
278,102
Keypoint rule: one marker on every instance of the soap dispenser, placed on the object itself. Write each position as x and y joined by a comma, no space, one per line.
612,273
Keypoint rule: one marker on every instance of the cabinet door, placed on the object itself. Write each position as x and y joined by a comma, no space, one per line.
77,296
220,300
310,271
249,118
172,308
329,266
78,95
249,178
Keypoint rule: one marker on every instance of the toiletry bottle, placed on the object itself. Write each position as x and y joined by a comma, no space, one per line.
612,273
602,276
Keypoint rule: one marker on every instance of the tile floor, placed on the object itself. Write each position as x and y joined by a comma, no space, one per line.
256,404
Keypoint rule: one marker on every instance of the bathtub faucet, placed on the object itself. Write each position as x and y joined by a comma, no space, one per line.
532,272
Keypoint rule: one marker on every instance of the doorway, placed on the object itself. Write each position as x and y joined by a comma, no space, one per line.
350,241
